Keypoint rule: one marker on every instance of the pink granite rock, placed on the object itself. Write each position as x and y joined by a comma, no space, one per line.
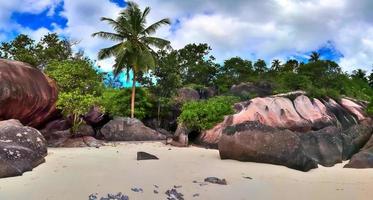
314,112
354,108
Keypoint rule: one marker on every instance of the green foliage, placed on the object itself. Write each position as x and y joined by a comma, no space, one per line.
370,79
75,104
79,87
133,49
167,74
369,109
202,115
314,57
117,102
234,71
260,66
196,66
75,75
23,48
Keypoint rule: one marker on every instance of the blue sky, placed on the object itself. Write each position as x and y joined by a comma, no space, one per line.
273,29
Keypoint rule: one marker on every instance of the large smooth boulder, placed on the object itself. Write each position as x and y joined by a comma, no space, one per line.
21,148
27,94
323,146
354,138
255,142
129,129
300,115
364,158
277,112
252,141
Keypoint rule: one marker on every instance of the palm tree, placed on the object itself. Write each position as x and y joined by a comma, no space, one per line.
314,57
133,50
276,65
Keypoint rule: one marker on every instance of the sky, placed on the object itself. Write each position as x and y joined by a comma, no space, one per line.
340,30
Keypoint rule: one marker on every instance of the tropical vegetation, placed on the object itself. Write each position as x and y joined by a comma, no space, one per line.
158,71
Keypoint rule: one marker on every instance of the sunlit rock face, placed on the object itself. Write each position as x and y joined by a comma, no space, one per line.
26,93
301,115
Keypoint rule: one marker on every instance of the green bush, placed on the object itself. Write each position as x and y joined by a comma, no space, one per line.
75,75
117,102
75,104
202,115
369,109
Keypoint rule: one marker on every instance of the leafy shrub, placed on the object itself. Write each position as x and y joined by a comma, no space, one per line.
202,115
75,75
75,104
369,109
117,102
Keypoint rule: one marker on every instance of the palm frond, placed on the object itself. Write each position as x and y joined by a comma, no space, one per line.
145,14
110,51
153,28
109,36
156,42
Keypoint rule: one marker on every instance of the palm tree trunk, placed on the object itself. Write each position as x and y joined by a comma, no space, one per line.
133,95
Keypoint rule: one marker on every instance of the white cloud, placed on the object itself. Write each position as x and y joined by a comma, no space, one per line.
274,28
250,29
84,19
7,7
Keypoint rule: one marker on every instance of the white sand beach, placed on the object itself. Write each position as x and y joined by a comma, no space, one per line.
75,173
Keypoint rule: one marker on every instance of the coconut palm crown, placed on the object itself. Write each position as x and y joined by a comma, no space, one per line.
314,57
133,50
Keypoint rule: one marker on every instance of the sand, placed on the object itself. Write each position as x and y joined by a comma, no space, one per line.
75,173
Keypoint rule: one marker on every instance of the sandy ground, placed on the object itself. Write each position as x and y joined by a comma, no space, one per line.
74,174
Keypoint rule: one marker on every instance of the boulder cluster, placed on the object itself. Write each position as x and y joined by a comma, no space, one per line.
293,131
299,133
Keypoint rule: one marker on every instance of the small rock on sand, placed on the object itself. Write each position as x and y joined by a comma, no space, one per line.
173,194
137,189
146,156
118,196
216,180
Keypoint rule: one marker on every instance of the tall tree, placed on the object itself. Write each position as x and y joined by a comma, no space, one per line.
359,74
314,57
370,79
196,65
133,50
22,48
290,66
51,47
260,66
276,64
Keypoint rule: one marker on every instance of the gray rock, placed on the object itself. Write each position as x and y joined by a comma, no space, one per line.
57,138
215,180
85,130
21,148
255,142
146,156
129,129
364,158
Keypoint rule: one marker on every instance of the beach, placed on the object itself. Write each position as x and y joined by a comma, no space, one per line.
76,173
